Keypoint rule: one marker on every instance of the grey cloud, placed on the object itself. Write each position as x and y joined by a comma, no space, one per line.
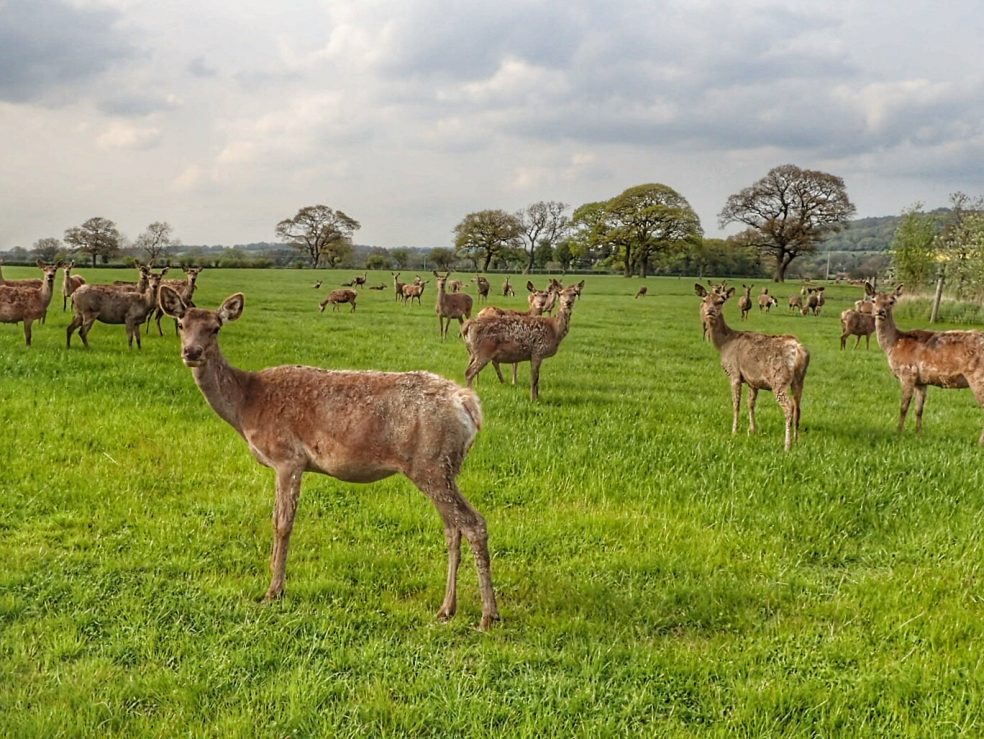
198,67
135,105
48,44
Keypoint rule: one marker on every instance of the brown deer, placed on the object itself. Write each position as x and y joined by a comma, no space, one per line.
509,339
450,305
535,309
641,292
20,304
337,297
185,288
70,283
795,302
360,281
397,286
113,304
483,286
856,323
745,301
354,426
507,289
766,301
380,286
414,291
814,301
29,282
947,359
776,363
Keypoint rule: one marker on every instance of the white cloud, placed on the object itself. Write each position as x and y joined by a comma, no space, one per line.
121,135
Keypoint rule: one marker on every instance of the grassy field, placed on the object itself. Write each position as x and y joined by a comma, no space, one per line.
656,576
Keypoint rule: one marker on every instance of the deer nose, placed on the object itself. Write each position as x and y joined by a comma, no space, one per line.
192,353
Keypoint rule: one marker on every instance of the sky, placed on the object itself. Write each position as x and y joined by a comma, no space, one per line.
224,117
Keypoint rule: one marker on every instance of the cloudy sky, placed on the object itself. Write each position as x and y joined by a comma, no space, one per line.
223,117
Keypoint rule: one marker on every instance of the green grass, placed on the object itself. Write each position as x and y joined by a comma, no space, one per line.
656,575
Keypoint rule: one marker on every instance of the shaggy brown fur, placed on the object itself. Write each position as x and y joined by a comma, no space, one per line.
70,283
947,359
19,303
337,297
776,363
856,323
354,426
114,304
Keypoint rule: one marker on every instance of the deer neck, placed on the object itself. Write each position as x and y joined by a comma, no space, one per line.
223,386
720,332
886,331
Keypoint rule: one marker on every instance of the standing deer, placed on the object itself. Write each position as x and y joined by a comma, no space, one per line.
856,323
745,301
337,297
360,281
947,359
537,305
483,287
113,304
185,288
23,304
509,339
450,305
776,363
414,291
70,283
353,426
766,301
507,289
795,302
397,285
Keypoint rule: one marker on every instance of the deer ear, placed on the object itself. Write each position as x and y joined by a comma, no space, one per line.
898,289
232,308
171,303
700,290
729,293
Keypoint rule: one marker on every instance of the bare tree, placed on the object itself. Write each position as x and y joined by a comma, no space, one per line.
46,249
788,212
543,223
155,241
319,232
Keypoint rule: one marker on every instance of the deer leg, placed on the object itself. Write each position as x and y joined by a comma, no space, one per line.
27,330
475,365
284,508
515,371
789,412
735,403
920,402
84,331
159,316
535,377
752,397
460,517
498,372
904,408
75,323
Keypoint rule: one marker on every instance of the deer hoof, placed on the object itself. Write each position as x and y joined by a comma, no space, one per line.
445,614
488,619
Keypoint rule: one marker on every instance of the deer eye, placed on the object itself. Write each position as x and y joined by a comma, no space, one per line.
181,325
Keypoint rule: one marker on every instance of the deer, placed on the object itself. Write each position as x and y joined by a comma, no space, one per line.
414,290
795,302
919,358
360,281
337,297
745,301
317,284
185,288
776,363
355,426
766,301
856,323
536,309
70,283
397,285
483,286
507,289
29,282
642,292
21,304
814,301
113,304
510,339
380,286
546,299
450,305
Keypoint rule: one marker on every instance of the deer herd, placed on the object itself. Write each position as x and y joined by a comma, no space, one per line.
363,426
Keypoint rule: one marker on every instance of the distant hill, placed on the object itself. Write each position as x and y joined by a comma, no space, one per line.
863,234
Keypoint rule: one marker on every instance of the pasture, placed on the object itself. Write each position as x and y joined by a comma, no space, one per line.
656,575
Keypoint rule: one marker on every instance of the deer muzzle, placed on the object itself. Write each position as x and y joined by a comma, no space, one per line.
192,356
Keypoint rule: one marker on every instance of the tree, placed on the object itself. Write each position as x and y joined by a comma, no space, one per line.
642,222
155,241
564,255
488,234
788,212
543,225
378,259
46,249
401,256
913,248
97,237
442,258
319,232
960,245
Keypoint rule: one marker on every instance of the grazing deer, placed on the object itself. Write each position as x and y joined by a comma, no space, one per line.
856,323
317,285
507,289
947,359
776,363
113,304
483,286
398,286
70,283
337,297
185,288
22,304
641,293
414,291
814,301
745,301
450,305
353,426
509,339
360,281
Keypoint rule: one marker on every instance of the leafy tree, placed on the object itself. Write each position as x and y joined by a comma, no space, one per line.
319,232
97,237
46,249
379,259
641,223
442,258
914,247
155,241
488,234
564,255
401,256
543,225
961,244
788,212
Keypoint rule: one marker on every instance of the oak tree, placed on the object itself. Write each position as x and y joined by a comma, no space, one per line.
97,237
488,234
320,233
